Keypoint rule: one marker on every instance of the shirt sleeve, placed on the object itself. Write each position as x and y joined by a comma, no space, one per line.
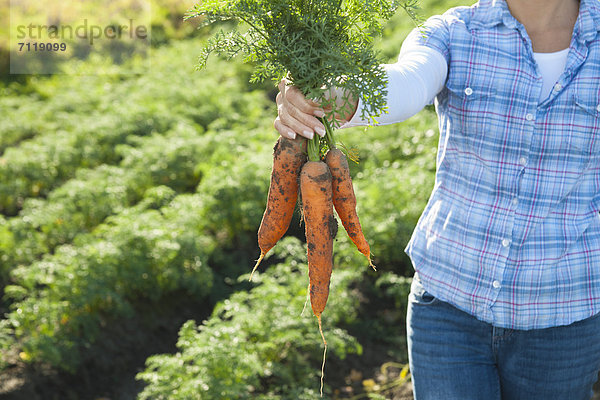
434,33
413,82
418,75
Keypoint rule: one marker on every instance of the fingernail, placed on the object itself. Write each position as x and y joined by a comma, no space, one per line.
308,134
292,135
319,113
320,131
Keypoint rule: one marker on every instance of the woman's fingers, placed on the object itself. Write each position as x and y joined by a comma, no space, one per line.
296,113
294,97
284,130
295,124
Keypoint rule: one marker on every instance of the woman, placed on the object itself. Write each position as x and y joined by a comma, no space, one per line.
506,297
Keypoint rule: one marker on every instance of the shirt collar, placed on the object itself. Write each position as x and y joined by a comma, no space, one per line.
588,21
489,13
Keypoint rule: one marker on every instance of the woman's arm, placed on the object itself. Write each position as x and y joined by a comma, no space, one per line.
413,81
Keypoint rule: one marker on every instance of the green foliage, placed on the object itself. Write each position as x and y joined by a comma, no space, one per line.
168,159
167,22
74,208
391,199
19,121
396,287
166,25
229,216
94,194
79,121
256,344
60,302
160,245
316,44
7,241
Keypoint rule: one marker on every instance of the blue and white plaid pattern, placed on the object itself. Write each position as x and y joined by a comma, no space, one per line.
511,233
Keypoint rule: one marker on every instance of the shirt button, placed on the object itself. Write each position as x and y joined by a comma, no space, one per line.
496,285
515,201
468,91
598,108
505,242
557,87
523,161
529,117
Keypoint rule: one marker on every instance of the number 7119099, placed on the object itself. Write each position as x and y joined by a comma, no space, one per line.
35,46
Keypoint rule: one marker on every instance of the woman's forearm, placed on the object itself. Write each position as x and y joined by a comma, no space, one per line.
413,82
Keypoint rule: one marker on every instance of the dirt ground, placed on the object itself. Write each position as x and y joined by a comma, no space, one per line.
388,383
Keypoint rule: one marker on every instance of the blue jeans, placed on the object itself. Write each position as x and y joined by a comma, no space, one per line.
454,356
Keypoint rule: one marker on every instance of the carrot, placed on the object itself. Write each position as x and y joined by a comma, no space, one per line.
288,157
344,200
321,228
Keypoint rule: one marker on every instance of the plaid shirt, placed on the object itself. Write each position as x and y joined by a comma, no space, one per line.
511,233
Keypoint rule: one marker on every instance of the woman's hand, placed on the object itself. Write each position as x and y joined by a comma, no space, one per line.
298,115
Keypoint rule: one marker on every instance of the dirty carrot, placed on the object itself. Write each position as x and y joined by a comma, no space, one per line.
321,228
288,157
344,200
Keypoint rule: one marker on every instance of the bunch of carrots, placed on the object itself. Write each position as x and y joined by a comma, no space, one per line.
324,183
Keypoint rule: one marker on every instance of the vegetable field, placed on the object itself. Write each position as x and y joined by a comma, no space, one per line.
129,211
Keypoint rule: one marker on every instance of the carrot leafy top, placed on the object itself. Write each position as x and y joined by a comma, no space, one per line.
313,43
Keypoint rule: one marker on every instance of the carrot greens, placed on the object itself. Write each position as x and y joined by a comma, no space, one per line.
315,44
